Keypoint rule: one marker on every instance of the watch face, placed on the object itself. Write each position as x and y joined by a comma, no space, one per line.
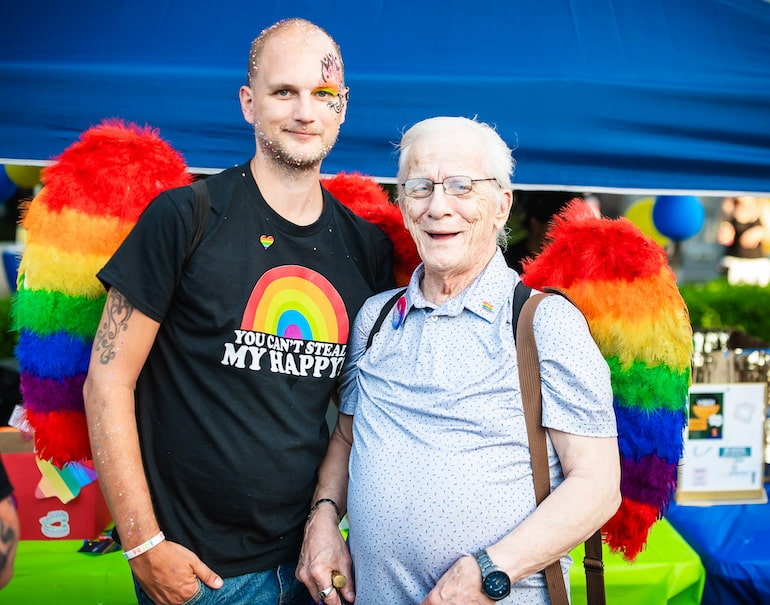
497,585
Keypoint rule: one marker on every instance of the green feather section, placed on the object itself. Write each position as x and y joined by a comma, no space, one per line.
649,388
46,312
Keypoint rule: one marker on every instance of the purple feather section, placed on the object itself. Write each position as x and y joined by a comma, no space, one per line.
52,394
650,480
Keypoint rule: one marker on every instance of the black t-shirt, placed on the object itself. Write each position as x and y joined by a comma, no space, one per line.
231,402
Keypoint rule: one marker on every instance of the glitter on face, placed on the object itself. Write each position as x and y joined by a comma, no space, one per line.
282,157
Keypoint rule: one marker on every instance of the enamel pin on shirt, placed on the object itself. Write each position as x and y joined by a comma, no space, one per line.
399,312
266,241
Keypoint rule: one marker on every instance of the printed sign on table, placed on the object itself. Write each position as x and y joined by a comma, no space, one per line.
724,444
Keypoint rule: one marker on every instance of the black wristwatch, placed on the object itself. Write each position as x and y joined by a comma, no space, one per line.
494,581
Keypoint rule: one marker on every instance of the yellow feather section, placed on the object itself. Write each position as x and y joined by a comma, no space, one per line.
73,230
661,341
50,268
654,329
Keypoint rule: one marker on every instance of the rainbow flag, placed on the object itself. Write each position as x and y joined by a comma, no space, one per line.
91,198
65,483
621,281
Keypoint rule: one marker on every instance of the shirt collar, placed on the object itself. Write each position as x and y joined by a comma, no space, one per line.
485,296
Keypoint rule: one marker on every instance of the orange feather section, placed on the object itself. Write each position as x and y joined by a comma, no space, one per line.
619,299
66,229
631,326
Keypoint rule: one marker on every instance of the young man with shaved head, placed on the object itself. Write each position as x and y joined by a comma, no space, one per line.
210,377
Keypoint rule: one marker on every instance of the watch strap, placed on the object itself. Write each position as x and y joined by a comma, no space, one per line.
485,563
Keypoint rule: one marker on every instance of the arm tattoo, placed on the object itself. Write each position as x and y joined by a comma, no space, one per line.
119,311
7,540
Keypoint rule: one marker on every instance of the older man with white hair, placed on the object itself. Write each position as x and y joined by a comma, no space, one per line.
430,456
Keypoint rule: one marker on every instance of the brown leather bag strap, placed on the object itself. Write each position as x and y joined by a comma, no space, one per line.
529,378
594,568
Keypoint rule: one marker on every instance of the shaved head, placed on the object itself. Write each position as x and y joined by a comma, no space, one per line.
301,27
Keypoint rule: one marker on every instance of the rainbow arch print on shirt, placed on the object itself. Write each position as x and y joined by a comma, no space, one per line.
296,302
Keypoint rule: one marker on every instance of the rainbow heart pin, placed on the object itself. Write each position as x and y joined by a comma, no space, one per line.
266,241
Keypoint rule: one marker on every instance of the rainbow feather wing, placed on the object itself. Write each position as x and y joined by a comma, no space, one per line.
622,283
93,194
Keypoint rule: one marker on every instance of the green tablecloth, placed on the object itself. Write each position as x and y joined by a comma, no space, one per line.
668,571
54,573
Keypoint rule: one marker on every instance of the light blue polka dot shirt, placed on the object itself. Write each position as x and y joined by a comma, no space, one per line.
440,466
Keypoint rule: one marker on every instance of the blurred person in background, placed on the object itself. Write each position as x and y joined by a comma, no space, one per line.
744,231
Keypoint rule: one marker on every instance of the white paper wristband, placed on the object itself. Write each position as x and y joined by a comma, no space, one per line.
145,546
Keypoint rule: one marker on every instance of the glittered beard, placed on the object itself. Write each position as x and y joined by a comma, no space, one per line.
280,157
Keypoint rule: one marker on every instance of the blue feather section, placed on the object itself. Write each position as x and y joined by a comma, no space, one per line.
658,432
57,355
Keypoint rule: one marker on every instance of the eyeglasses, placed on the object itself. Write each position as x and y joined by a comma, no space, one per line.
453,185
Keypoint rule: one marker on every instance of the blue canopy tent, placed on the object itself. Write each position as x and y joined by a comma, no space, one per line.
616,95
